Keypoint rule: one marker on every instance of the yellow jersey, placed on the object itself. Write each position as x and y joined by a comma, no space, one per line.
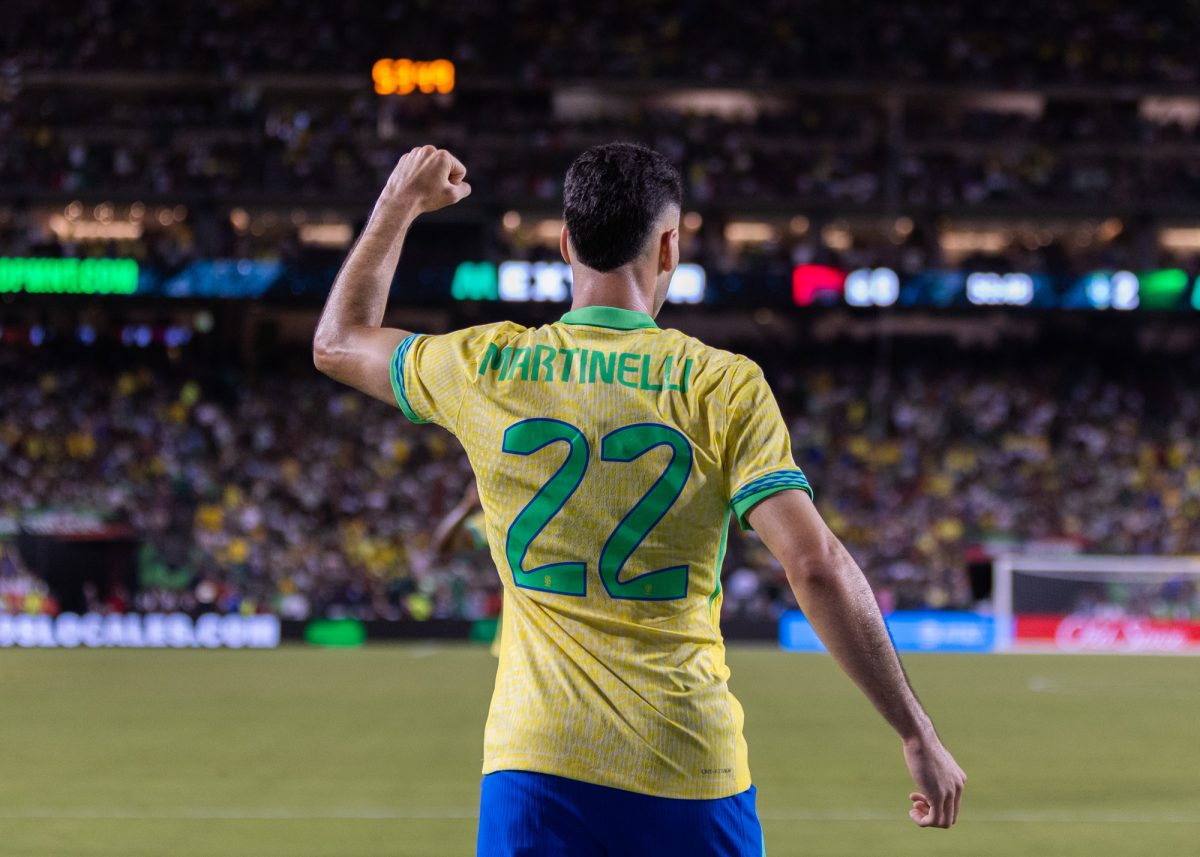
609,455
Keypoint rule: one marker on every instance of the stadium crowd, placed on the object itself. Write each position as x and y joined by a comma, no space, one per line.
278,492
219,132
316,149
907,112
812,150
1057,41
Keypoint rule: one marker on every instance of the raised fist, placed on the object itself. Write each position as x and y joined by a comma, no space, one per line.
429,178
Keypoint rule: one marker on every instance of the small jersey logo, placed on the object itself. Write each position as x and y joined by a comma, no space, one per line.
709,772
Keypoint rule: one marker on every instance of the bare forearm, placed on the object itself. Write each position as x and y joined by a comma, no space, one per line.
350,345
838,601
359,294
834,595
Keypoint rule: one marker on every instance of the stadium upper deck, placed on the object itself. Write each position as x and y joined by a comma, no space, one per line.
1066,136
1058,42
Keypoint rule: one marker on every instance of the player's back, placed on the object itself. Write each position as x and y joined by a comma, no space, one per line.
609,455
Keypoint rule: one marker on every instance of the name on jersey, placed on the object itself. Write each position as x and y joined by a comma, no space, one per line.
547,364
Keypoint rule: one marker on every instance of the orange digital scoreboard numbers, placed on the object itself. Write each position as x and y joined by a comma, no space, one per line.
406,76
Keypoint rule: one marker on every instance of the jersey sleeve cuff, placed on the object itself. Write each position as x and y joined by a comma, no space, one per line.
397,377
757,490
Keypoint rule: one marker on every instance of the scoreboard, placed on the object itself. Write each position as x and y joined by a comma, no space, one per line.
522,281
1120,290
407,76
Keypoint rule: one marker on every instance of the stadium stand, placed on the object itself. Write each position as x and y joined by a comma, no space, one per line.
276,492
1058,42
810,134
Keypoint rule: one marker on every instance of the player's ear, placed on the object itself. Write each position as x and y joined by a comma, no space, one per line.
668,250
564,245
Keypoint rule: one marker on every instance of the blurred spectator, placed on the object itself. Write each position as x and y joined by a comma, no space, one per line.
20,591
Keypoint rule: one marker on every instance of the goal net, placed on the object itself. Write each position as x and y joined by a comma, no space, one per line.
1097,604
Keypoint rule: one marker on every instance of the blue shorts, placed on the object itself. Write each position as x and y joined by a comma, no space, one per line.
525,814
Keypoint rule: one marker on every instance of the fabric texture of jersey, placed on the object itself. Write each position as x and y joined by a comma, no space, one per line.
609,455
522,813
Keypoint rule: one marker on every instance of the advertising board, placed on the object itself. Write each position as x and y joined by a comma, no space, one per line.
912,631
1127,634
138,630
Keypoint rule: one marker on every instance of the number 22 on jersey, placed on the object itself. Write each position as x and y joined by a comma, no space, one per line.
623,445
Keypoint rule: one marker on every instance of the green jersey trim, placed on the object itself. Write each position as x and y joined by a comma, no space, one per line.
757,490
397,377
610,317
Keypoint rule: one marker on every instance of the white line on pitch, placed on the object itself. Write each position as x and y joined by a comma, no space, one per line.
425,650
235,814
1044,684
464,814
1000,816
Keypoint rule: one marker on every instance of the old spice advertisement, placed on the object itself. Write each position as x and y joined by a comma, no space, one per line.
1087,633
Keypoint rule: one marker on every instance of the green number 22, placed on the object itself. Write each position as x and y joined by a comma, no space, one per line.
623,445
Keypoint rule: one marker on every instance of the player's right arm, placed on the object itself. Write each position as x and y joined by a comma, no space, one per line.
350,344
836,598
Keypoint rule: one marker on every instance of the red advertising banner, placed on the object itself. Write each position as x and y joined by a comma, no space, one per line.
1098,634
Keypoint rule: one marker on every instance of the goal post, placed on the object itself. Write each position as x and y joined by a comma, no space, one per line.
1124,604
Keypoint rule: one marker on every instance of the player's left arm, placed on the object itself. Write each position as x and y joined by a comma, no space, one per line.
350,344
771,495
837,599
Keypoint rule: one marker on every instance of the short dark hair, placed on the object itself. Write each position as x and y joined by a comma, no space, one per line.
612,197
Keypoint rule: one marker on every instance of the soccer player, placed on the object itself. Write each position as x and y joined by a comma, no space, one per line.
463,528
610,455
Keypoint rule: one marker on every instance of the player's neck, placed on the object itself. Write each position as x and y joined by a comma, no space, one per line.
619,289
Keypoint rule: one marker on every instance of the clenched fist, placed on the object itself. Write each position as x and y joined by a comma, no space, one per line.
428,178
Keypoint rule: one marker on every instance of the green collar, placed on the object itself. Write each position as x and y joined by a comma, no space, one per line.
609,316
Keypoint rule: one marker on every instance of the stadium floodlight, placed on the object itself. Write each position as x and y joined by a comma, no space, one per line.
1124,604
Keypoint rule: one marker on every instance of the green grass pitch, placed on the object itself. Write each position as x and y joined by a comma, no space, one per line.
376,752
